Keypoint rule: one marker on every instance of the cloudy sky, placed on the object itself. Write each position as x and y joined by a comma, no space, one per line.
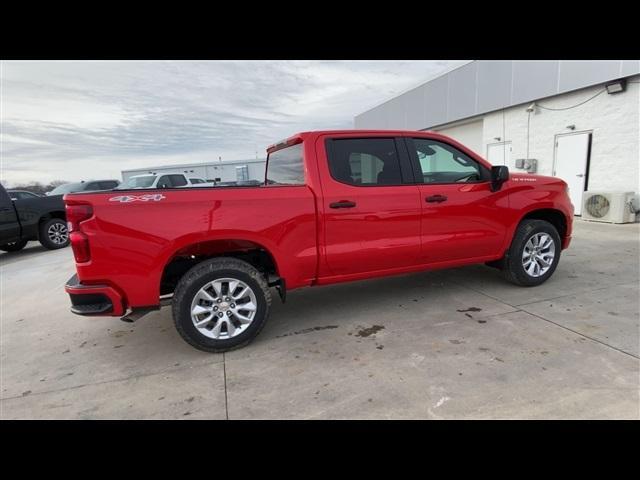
81,120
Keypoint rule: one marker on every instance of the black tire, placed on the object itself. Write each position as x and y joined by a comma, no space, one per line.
49,242
14,247
513,269
199,276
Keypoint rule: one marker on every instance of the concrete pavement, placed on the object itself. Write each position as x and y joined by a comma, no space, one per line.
458,343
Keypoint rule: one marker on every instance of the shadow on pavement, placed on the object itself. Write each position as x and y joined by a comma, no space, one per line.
7,258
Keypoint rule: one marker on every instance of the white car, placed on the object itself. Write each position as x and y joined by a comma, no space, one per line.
168,180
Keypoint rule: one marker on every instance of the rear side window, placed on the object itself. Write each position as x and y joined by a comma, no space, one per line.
364,161
177,180
285,166
108,185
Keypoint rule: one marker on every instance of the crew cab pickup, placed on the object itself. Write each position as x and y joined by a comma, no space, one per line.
32,218
335,206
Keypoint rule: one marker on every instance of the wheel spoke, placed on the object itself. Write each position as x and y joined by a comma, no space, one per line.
204,322
241,294
215,331
252,307
243,318
217,287
233,284
204,295
200,309
231,328
544,263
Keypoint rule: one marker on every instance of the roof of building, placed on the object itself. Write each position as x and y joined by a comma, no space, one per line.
483,86
200,164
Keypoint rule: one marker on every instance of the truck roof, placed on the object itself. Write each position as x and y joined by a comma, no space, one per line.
300,136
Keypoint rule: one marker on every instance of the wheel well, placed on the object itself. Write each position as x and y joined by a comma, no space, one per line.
55,214
185,258
554,217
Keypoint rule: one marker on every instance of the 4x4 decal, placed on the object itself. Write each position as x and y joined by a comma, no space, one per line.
155,197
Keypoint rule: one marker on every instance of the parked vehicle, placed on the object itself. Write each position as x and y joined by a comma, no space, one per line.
22,194
170,180
36,218
335,206
92,185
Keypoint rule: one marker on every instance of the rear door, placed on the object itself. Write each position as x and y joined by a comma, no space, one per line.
9,226
460,214
371,206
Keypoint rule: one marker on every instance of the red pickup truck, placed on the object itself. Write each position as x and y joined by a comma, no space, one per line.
335,206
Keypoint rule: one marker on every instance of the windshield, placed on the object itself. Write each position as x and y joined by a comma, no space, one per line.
67,188
136,182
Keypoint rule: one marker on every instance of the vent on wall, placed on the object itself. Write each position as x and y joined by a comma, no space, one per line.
610,207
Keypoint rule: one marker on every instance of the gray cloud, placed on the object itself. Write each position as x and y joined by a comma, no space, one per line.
80,120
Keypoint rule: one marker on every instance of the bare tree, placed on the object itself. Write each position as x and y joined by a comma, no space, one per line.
39,188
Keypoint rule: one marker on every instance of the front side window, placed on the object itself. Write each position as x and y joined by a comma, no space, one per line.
285,166
442,163
364,161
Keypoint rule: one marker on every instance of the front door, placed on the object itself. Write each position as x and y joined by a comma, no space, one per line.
371,208
9,226
461,216
572,156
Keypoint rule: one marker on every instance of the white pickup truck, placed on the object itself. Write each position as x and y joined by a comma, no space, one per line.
168,180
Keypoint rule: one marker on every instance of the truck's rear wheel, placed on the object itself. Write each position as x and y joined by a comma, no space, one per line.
54,234
534,253
14,247
221,304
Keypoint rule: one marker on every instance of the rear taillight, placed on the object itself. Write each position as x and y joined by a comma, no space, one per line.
76,214
80,247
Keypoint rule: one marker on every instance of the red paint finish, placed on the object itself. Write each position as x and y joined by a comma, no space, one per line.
390,230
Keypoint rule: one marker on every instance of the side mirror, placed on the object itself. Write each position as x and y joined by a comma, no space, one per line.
499,175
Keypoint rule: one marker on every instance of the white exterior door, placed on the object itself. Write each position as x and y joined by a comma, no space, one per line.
572,152
500,154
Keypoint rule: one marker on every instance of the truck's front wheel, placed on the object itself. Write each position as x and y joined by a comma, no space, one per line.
534,253
221,304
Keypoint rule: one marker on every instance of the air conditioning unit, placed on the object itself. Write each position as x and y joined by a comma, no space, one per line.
610,207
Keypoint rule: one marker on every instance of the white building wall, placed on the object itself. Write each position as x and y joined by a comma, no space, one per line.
614,121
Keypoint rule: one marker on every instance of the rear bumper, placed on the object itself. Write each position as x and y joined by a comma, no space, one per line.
94,300
566,241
